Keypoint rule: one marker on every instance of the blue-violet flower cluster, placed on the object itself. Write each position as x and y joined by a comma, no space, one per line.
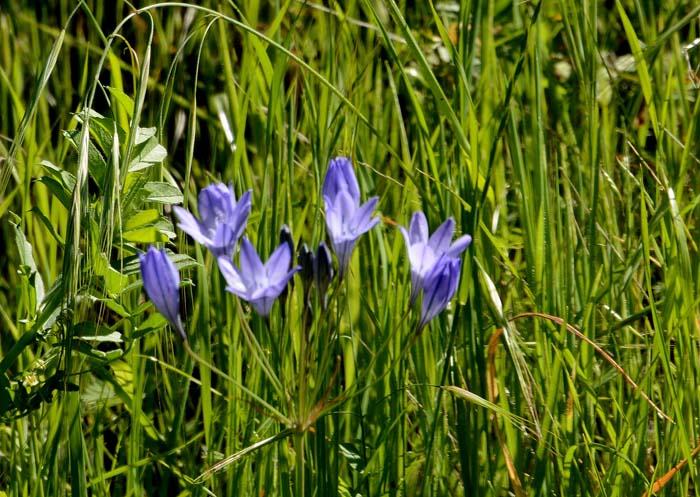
434,259
258,283
223,220
346,219
435,267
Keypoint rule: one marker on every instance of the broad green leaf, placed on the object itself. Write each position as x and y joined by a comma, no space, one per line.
50,227
57,190
24,248
142,218
146,235
66,179
163,193
181,261
123,99
92,332
115,282
102,130
156,321
147,151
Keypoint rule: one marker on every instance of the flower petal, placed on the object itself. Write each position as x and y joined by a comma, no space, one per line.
440,287
362,220
189,224
343,251
418,229
214,205
422,258
340,176
239,214
347,207
263,305
233,278
440,241
263,298
334,219
459,246
252,269
277,265
224,242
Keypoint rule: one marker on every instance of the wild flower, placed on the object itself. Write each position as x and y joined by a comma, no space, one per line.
424,251
222,218
346,219
440,286
257,283
161,281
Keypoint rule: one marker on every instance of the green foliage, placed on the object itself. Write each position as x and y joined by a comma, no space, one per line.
561,135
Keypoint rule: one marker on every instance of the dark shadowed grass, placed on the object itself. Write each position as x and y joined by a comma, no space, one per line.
561,135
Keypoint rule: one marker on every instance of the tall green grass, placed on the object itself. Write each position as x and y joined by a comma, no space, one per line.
562,135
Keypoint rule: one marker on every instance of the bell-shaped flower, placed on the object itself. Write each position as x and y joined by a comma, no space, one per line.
258,283
341,177
424,250
161,281
222,218
346,219
440,286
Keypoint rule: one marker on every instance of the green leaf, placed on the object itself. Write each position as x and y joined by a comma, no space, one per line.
92,332
154,322
66,179
57,190
147,217
642,66
48,225
147,152
181,261
97,165
123,99
163,193
115,282
151,234
24,248
102,130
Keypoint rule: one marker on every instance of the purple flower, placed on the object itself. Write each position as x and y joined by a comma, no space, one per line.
346,219
222,218
424,251
258,283
341,177
440,286
162,282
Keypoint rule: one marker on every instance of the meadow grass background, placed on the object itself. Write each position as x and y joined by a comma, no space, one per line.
562,135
